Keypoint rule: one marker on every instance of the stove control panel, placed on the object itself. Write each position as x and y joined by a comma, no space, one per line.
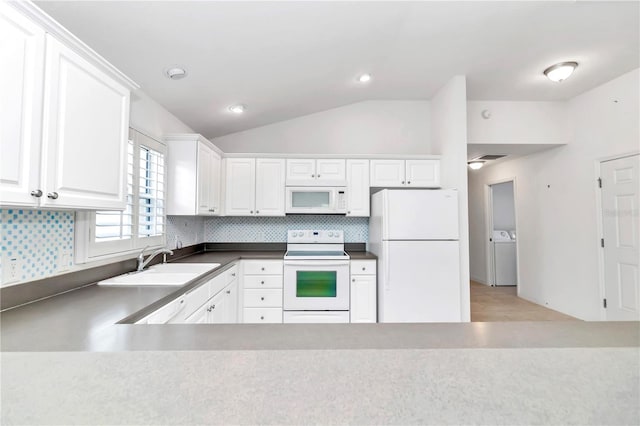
307,236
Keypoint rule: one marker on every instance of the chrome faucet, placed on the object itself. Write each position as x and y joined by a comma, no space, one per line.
142,263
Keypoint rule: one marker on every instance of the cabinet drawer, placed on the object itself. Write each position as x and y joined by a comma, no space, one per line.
259,298
262,315
263,281
363,267
232,274
263,267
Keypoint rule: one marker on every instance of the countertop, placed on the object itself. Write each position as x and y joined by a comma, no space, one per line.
85,320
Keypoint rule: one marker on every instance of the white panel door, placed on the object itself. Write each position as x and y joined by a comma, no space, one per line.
270,186
621,225
330,171
420,215
420,282
358,199
214,187
301,170
363,298
86,125
21,75
204,164
423,173
387,173
240,186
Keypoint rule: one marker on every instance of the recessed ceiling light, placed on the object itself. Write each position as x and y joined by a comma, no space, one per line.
237,109
475,165
561,71
364,78
176,73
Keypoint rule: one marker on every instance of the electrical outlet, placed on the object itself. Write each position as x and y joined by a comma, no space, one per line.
11,269
63,259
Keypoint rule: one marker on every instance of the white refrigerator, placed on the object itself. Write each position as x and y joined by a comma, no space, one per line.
414,233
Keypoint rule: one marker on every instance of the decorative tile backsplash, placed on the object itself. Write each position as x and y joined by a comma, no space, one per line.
40,241
274,229
189,230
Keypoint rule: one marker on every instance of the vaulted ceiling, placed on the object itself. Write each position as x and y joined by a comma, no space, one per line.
287,59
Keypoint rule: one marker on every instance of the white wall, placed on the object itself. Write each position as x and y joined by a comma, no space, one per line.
555,194
518,122
371,127
504,215
449,139
152,119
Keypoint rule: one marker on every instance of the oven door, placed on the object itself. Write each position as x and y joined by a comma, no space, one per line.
316,285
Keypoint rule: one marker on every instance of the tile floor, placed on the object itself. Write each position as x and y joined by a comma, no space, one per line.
490,304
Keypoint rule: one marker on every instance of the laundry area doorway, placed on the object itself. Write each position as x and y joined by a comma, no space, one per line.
501,231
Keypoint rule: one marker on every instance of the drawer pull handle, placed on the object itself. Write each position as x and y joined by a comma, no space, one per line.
363,268
262,298
228,291
233,275
353,279
262,268
261,282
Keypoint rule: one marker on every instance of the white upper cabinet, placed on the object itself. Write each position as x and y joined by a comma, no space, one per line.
22,59
194,178
387,173
405,173
423,173
255,187
240,186
358,198
208,169
312,172
64,114
270,190
86,126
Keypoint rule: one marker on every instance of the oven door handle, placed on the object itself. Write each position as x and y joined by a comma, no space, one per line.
318,263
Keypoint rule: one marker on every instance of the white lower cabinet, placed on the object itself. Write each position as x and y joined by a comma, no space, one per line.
262,294
363,308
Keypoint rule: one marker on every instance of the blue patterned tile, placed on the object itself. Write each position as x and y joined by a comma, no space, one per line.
274,229
35,236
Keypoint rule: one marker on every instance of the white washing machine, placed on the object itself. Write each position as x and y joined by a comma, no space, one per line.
505,264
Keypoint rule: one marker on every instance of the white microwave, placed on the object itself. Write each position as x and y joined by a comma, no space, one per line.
316,200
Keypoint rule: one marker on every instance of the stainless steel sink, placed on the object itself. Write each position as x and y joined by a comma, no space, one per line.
166,274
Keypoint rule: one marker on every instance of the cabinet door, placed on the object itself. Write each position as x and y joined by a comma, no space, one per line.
387,173
330,171
21,74
214,187
363,298
300,171
358,188
86,124
204,183
217,311
241,187
270,187
231,303
423,173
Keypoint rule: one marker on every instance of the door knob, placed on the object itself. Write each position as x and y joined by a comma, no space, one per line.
37,193
52,195
409,182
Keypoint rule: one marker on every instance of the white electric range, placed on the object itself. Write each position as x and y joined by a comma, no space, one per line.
316,277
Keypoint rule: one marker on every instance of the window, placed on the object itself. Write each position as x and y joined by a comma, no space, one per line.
142,223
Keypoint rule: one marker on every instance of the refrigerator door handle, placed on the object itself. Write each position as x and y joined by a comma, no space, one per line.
387,263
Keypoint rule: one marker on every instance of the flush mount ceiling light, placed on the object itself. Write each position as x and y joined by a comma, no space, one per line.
561,71
176,73
475,165
364,78
237,109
